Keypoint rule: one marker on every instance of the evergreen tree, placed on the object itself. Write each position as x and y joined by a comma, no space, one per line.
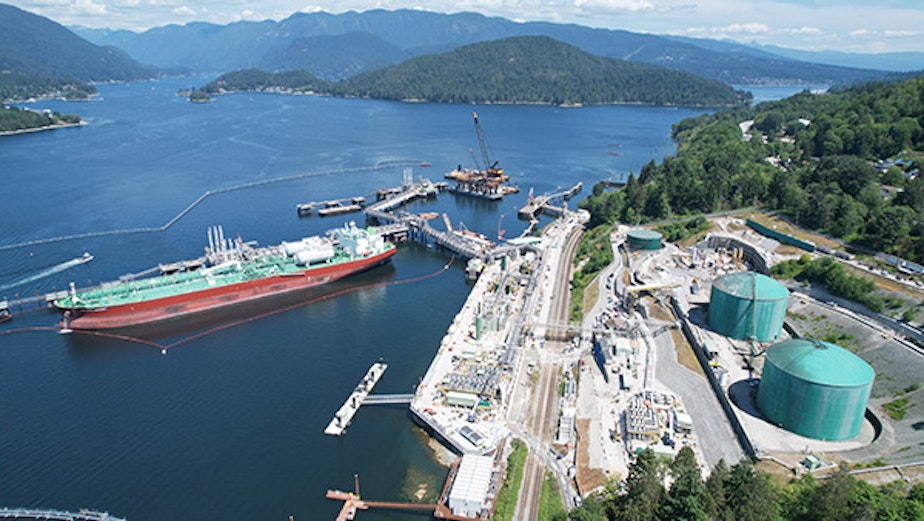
644,490
717,507
751,494
687,499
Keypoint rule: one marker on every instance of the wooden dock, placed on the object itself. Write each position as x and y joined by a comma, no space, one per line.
345,414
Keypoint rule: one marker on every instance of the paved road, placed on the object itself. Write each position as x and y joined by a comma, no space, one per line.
710,423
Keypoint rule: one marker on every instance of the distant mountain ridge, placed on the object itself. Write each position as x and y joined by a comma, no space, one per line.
520,69
335,57
217,48
889,61
34,45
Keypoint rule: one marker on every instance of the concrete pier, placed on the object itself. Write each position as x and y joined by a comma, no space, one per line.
345,414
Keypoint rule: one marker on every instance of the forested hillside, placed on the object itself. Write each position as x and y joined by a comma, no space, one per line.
17,87
335,57
537,69
255,80
239,45
39,57
845,163
743,493
13,119
32,44
533,69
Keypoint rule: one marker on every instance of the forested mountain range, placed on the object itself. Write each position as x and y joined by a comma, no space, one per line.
527,69
39,57
845,163
335,57
34,45
218,48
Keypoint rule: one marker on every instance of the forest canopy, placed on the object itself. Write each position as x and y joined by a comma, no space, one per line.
843,163
531,69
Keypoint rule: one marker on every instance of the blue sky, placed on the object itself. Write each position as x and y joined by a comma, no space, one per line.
844,25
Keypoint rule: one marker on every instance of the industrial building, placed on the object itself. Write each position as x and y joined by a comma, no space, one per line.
469,494
748,306
815,389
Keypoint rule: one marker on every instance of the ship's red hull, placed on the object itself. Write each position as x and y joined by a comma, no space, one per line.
186,304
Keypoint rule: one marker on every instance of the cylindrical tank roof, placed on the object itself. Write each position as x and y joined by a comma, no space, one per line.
642,239
820,362
748,305
815,389
643,234
751,286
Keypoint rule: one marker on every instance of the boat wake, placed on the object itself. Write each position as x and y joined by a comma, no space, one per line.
47,272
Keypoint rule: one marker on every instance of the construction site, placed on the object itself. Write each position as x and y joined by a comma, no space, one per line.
681,347
701,348
484,178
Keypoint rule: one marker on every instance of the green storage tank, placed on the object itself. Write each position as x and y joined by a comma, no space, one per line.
642,239
748,305
815,389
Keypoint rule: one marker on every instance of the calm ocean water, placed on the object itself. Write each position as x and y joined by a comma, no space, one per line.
229,425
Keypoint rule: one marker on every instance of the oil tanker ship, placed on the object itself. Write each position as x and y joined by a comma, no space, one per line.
231,272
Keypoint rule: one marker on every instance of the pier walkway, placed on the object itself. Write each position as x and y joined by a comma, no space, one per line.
345,414
418,228
388,399
543,203
56,515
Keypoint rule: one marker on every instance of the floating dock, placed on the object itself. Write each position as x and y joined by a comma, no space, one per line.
349,408
333,207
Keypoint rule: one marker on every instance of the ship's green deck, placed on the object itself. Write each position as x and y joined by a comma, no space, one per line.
142,290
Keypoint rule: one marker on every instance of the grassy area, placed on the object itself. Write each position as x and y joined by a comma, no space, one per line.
593,255
886,284
779,474
588,478
507,497
685,355
898,408
550,500
591,294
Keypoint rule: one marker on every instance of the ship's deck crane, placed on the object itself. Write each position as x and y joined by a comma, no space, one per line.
490,167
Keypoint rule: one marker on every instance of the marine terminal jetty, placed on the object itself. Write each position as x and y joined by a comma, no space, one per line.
585,397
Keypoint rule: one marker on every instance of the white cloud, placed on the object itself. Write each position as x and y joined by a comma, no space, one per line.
87,7
746,28
183,11
900,33
806,31
614,5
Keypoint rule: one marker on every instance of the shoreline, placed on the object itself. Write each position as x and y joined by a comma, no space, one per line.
40,129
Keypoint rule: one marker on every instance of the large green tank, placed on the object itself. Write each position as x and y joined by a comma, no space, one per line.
642,239
748,305
815,389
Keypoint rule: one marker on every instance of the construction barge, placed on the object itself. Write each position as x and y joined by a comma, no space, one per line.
485,182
